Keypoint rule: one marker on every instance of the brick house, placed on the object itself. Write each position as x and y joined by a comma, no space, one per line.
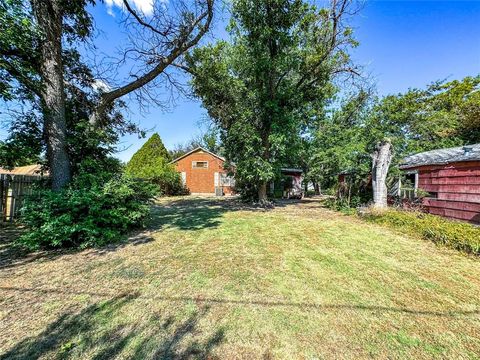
203,172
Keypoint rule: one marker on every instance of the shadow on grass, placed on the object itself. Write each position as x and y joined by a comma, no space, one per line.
187,213
12,254
92,334
205,213
206,301
196,213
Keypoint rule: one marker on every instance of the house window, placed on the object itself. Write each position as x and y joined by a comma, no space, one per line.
200,164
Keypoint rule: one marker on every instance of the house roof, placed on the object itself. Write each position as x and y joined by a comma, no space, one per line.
442,156
195,150
32,170
291,170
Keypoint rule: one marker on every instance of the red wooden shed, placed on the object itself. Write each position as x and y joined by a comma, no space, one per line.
451,179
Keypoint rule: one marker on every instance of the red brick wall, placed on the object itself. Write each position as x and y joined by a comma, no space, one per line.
458,189
201,180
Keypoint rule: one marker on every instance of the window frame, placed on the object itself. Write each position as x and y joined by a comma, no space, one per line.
194,164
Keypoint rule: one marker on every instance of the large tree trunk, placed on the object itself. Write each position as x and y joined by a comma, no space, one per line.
48,14
382,158
262,192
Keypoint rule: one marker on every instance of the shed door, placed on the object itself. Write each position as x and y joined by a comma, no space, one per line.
216,181
184,178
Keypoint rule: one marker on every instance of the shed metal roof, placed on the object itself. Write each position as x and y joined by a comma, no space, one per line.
294,170
442,156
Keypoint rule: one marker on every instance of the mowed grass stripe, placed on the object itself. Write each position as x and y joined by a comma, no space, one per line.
215,278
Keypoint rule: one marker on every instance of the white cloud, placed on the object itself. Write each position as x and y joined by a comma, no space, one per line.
144,6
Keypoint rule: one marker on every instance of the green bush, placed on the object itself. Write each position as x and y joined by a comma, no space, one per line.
85,215
344,205
152,162
163,175
457,235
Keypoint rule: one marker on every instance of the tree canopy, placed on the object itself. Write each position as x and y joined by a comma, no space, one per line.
443,114
152,162
42,69
260,87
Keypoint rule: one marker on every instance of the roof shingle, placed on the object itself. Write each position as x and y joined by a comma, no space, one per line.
442,156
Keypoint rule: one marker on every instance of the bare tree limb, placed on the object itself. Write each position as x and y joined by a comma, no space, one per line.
142,22
179,45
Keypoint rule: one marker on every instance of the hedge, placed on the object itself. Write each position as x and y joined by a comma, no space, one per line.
454,234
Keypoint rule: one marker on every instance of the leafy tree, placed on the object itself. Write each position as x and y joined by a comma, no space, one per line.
444,114
38,60
260,87
338,144
208,139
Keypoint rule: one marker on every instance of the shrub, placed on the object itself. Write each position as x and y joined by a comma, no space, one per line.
457,235
152,163
85,215
341,205
345,205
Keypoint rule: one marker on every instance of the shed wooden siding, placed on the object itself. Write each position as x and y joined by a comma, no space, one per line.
457,186
201,180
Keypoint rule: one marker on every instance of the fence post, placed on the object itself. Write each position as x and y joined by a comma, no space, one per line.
3,196
12,193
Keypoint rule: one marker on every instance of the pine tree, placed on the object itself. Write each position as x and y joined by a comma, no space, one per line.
153,153
152,163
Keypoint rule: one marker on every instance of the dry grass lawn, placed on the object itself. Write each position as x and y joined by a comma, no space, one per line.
213,279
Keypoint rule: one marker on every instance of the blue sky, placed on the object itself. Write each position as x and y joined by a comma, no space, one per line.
402,44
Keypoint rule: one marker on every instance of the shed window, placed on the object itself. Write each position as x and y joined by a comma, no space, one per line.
200,164
432,195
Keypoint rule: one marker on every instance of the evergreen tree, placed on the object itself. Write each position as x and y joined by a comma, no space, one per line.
152,153
152,162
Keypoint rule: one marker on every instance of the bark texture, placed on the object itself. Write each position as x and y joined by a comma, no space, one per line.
262,192
381,159
48,14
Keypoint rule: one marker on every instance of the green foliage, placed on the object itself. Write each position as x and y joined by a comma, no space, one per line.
259,89
21,82
207,139
342,205
151,162
457,235
152,149
339,144
89,212
444,114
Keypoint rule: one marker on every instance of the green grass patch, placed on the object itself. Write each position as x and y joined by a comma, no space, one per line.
215,279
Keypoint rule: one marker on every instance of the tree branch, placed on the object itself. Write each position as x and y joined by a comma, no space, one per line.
144,23
181,45
29,83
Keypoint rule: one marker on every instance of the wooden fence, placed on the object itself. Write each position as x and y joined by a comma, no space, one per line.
13,189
